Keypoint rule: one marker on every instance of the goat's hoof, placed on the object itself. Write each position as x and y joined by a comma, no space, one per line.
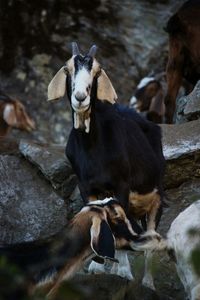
148,282
125,274
95,268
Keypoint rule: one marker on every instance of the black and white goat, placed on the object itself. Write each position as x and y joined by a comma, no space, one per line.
113,151
94,232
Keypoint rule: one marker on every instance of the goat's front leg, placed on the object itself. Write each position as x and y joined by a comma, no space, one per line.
122,194
122,268
96,268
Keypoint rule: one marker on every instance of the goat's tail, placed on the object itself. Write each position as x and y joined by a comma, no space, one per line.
150,241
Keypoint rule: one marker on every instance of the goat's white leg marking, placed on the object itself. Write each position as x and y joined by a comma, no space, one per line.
148,278
122,268
87,125
96,268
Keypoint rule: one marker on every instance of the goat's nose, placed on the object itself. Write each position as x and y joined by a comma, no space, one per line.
80,96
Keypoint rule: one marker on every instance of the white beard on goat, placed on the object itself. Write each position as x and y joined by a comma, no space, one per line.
80,84
82,120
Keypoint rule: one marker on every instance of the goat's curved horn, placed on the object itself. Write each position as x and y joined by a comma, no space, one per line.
92,51
75,50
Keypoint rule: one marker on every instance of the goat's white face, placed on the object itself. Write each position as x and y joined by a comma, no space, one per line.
81,82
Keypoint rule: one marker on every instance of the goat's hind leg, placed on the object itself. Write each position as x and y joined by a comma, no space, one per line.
153,219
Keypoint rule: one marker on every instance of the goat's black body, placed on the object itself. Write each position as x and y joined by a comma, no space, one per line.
121,153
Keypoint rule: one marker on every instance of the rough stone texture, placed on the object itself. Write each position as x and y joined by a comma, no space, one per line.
181,146
52,162
29,208
188,107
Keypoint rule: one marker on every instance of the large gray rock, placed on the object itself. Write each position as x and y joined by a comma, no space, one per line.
29,207
188,107
52,162
181,146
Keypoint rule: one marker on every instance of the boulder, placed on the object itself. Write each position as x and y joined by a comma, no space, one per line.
52,162
188,107
29,207
181,146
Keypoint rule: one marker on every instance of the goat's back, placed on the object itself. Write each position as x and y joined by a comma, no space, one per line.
184,239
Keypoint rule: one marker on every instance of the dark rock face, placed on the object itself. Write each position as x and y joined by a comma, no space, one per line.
130,38
29,207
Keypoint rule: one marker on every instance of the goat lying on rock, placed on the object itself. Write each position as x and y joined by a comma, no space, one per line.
13,114
94,232
113,151
184,52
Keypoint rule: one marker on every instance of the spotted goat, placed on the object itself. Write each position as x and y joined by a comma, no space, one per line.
113,151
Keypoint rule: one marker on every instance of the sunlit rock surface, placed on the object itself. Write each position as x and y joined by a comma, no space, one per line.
181,147
188,107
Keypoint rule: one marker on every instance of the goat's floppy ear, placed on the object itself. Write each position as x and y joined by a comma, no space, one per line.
9,115
57,86
102,240
105,89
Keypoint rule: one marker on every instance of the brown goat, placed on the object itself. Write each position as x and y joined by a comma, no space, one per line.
109,228
149,98
13,114
184,52
94,232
